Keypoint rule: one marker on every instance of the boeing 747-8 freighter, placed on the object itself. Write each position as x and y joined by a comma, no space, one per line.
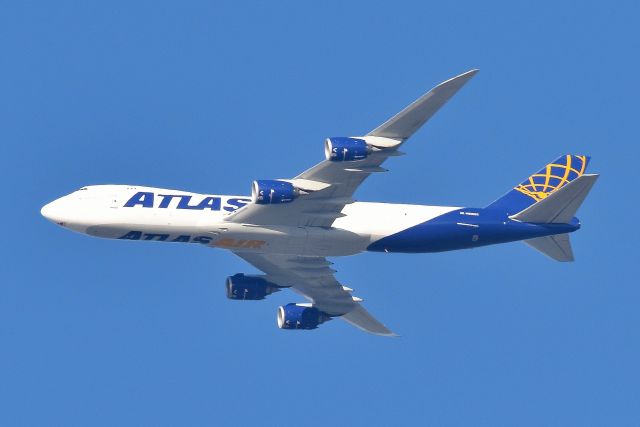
288,227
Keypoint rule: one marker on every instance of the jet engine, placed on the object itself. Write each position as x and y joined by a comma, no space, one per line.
242,287
268,192
343,149
300,316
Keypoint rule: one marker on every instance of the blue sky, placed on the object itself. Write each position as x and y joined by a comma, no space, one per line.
207,96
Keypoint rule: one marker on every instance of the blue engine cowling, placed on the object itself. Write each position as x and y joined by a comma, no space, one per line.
343,149
243,287
296,316
267,192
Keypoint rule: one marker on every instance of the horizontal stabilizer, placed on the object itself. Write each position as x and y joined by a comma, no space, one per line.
561,205
556,247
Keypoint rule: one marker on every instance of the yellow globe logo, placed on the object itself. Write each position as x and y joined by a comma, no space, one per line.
554,176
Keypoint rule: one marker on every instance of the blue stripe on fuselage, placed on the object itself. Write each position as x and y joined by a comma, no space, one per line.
465,228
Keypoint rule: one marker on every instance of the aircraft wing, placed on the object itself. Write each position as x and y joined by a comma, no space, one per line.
313,278
330,185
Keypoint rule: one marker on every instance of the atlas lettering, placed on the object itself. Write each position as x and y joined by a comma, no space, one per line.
165,237
147,199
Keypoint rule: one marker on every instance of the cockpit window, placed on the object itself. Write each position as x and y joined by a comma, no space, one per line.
83,188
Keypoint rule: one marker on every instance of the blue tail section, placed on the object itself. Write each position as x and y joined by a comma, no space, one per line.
541,184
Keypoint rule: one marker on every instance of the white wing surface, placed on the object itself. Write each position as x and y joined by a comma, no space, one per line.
332,184
313,278
408,121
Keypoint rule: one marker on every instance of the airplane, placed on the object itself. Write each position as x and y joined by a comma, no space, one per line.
288,227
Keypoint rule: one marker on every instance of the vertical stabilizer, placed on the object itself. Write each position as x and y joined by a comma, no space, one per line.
542,184
561,206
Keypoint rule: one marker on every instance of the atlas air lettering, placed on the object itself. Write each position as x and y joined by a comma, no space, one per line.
147,199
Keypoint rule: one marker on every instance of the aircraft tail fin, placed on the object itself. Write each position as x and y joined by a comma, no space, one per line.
556,247
542,184
559,207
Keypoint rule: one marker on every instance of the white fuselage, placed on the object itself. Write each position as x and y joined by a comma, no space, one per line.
156,214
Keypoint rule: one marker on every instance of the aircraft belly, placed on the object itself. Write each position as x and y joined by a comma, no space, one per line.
304,241
197,227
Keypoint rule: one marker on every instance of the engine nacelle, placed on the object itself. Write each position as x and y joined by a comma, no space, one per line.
343,149
273,191
300,316
244,287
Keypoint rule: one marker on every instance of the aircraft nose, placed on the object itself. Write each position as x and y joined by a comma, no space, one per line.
52,212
